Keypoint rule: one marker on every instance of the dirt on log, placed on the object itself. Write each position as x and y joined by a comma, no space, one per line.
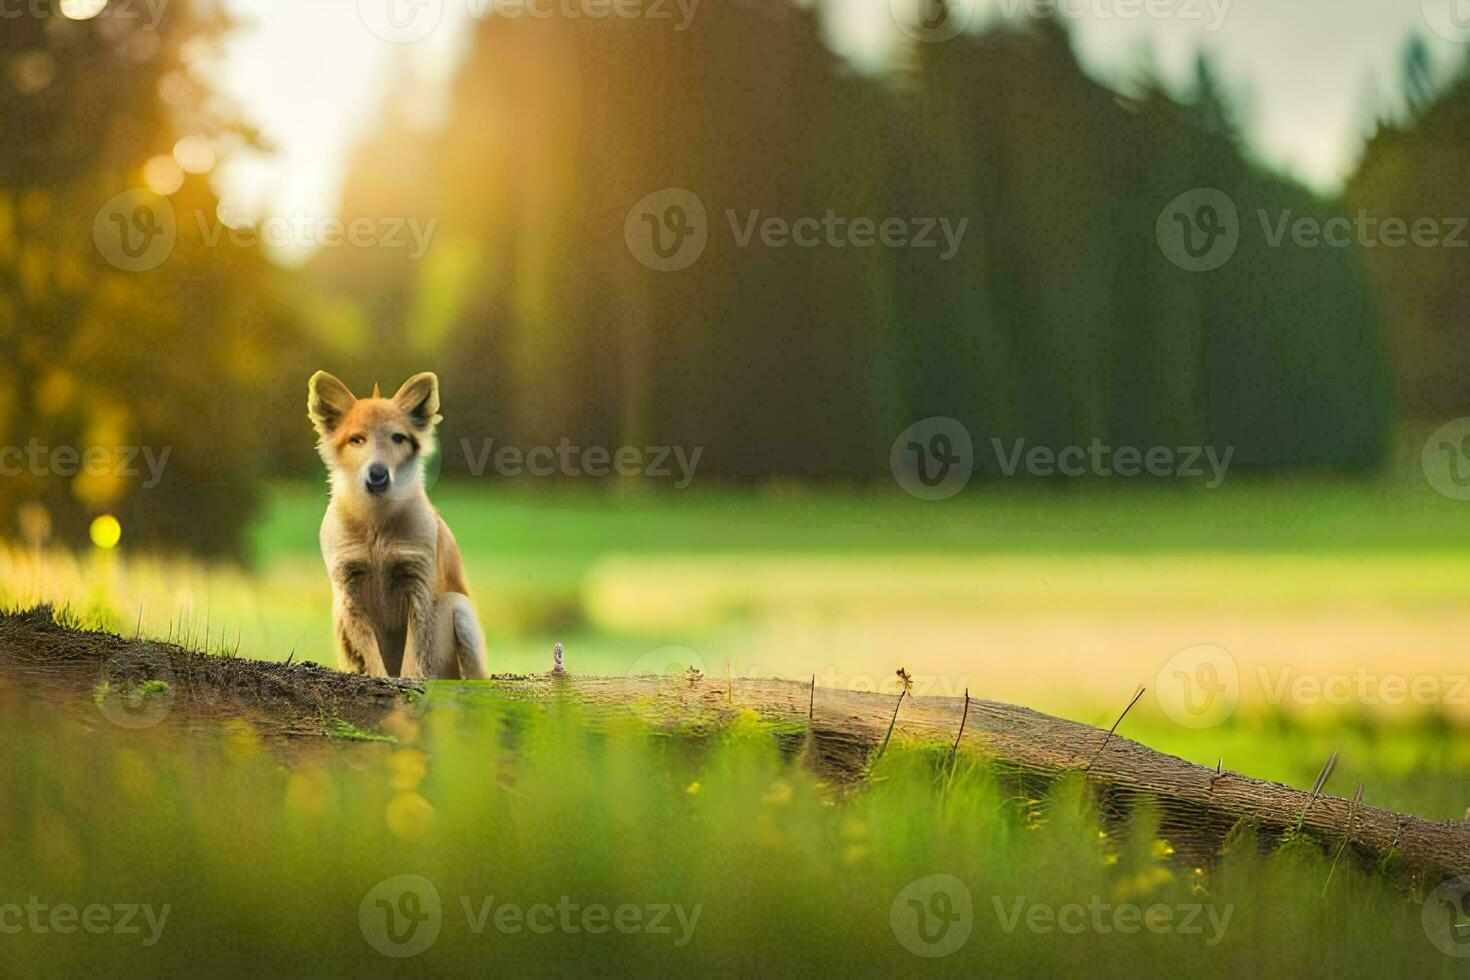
838,733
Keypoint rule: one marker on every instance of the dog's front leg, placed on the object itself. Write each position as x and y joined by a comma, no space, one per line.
357,643
418,646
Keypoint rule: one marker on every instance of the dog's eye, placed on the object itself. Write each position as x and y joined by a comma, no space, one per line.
357,440
400,438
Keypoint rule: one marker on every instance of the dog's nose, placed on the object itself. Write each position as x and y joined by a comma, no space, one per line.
377,478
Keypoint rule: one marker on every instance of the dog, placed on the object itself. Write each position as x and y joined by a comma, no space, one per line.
400,605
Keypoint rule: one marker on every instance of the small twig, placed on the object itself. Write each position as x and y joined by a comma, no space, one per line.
138,631
1347,836
954,751
1136,695
811,703
1322,778
730,680
908,683
291,657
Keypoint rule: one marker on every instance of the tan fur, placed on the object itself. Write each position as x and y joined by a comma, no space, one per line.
400,604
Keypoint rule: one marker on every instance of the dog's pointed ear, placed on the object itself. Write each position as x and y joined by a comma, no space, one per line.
419,399
327,400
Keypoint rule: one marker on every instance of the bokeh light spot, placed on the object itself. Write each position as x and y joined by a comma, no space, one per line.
106,531
163,175
194,155
82,9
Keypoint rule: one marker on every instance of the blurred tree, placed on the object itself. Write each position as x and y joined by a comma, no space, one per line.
1058,320
102,368
1417,169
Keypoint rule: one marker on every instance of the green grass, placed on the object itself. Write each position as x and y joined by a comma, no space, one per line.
273,859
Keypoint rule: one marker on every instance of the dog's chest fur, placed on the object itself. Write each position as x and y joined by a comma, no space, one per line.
377,574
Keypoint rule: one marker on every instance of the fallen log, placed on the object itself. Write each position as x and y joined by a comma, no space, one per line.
839,730
1199,806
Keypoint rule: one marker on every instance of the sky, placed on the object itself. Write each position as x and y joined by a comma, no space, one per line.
1301,69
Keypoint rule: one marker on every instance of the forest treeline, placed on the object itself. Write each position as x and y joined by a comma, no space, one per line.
1061,314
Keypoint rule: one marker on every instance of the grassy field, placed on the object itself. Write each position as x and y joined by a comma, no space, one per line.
1061,601
493,836
502,814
